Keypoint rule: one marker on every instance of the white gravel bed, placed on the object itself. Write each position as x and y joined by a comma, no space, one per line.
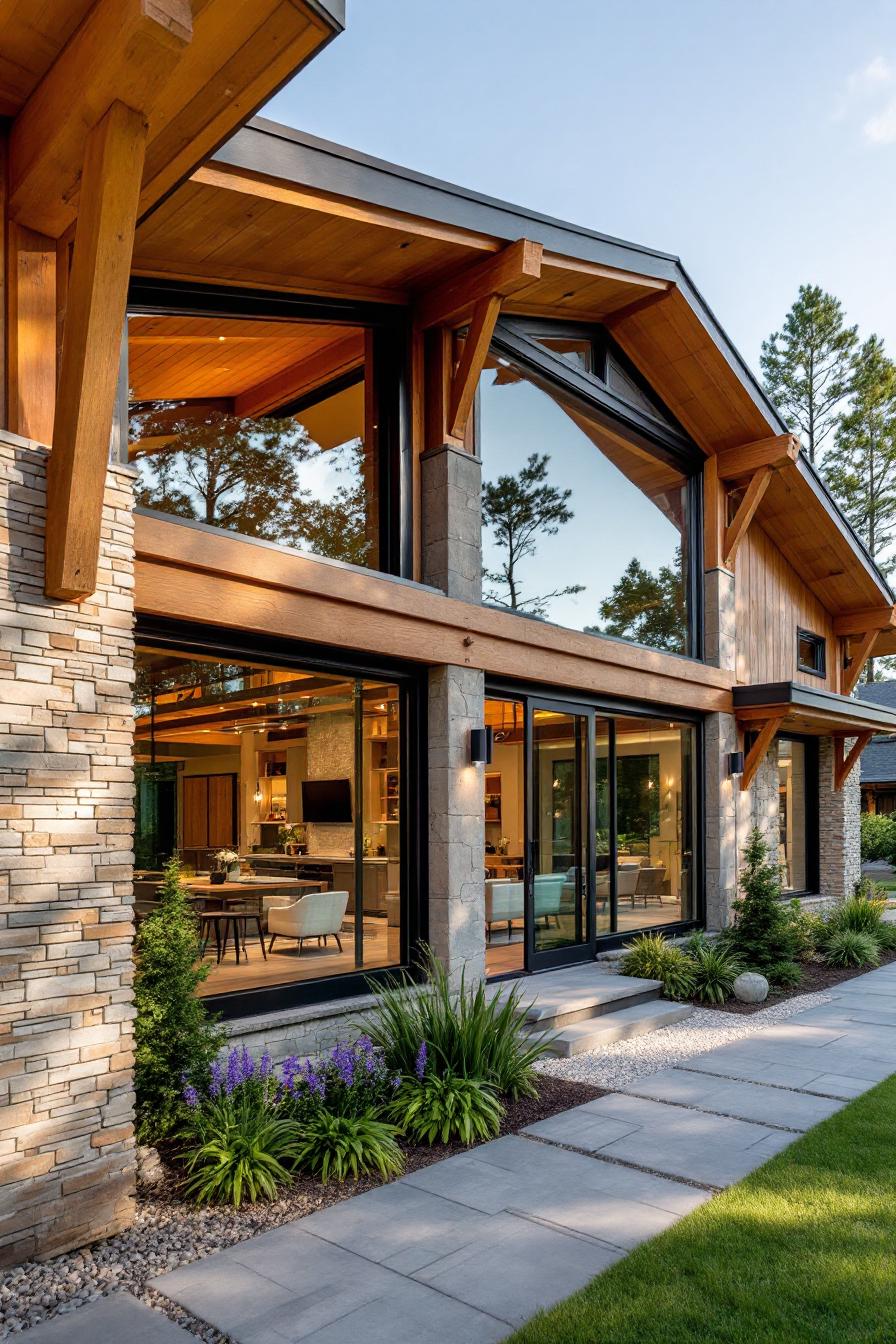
622,1062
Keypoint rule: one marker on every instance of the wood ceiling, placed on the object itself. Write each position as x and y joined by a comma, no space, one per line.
200,357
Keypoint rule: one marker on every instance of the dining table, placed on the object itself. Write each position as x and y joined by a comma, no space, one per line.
232,896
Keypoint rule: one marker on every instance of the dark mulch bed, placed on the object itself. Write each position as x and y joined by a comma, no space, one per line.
307,1194
816,977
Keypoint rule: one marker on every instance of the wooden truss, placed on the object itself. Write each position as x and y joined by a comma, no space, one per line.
844,761
761,744
753,464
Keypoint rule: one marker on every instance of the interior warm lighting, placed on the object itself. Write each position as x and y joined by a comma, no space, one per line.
258,796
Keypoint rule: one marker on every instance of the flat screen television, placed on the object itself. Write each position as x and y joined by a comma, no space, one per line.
326,800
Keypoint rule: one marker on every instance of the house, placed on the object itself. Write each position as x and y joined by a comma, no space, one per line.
475,593
877,776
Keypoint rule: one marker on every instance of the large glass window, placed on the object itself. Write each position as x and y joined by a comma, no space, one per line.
296,775
584,524
794,789
265,428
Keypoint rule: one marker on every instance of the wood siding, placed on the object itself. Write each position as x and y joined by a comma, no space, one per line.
772,602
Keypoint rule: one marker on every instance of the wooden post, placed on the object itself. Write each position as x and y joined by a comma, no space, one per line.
91,344
31,324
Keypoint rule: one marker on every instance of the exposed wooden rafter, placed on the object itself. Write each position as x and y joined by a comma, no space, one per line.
452,302
471,363
860,622
756,754
860,650
736,463
844,761
123,51
89,366
737,528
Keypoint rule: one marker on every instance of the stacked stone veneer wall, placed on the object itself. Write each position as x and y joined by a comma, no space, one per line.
66,819
839,821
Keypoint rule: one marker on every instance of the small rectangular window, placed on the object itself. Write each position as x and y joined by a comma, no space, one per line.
810,653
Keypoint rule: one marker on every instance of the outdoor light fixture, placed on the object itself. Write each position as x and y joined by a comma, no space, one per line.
735,762
481,746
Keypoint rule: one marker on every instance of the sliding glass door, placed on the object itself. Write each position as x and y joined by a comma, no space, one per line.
559,902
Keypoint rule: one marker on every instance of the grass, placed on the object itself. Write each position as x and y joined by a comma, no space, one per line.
799,1252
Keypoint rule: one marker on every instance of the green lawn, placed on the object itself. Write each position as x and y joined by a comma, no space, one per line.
803,1250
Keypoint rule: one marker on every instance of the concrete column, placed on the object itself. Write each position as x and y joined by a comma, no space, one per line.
456,823
840,864
452,521
727,809
66,865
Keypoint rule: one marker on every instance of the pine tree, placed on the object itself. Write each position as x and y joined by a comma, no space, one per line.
761,934
861,467
174,1038
807,366
648,608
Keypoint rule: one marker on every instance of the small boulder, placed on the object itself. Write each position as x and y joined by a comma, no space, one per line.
751,987
150,1171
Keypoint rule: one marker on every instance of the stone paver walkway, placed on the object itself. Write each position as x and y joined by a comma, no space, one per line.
116,1319
465,1250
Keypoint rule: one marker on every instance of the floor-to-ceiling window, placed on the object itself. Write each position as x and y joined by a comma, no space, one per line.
290,781
797,813
595,815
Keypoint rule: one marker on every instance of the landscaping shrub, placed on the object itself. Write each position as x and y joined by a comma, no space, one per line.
886,937
650,956
175,1040
762,933
851,947
715,970
346,1146
861,913
441,1108
784,974
878,834
466,1033
808,928
352,1081
240,1143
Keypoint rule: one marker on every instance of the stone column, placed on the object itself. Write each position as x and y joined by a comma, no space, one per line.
66,864
456,823
839,815
726,806
452,521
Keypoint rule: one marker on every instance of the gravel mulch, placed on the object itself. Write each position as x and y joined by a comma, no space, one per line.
616,1065
167,1232
817,977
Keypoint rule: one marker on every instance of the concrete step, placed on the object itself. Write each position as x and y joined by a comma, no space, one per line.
637,1020
561,998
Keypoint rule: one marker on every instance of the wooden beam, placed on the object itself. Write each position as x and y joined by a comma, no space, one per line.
736,531
714,502
777,452
843,765
31,328
858,657
756,754
324,365
341,207
124,50
472,362
91,349
860,622
452,302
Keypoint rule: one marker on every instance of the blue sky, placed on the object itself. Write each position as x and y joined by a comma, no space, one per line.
758,140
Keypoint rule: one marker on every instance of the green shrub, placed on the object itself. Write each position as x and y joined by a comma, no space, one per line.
886,937
465,1033
851,947
878,836
784,974
858,913
175,1040
762,933
239,1143
809,930
442,1107
346,1146
652,957
352,1080
715,970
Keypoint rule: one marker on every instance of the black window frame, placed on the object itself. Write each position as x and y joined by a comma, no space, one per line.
234,646
517,338
820,644
389,325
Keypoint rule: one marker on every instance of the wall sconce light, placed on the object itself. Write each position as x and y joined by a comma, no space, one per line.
258,796
735,762
481,746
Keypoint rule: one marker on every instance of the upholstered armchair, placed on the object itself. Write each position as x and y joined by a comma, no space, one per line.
504,902
549,891
319,914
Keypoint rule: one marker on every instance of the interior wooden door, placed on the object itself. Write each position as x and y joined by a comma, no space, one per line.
221,811
195,819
